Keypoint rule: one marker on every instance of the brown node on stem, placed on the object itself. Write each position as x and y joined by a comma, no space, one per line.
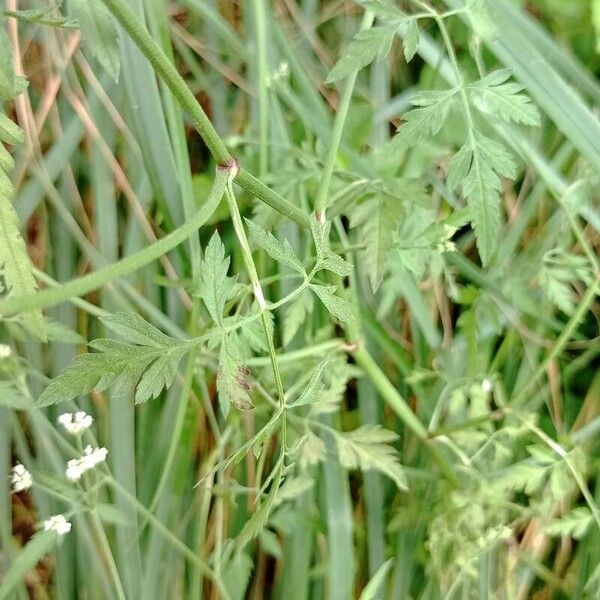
349,347
232,165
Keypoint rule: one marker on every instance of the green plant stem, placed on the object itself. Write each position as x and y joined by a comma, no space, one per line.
129,264
580,235
579,480
338,129
255,282
84,305
173,539
167,71
180,415
399,405
163,66
239,454
382,384
112,566
582,308
263,93
299,355
456,69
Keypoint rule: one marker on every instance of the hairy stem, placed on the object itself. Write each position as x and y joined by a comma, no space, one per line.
167,71
255,282
129,264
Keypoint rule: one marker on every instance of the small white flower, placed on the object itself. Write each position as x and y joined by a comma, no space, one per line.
5,351
486,386
76,467
58,524
21,478
94,457
76,423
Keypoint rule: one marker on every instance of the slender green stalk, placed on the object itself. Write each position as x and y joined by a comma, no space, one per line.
260,27
385,388
201,122
338,129
391,395
163,66
129,264
439,19
180,415
299,355
172,539
585,492
112,565
582,308
580,235
255,282
395,401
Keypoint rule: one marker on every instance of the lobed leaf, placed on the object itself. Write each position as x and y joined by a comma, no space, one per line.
313,388
412,38
145,369
295,315
366,448
574,524
215,286
337,307
336,264
378,218
478,164
366,46
493,96
427,119
278,251
136,330
313,450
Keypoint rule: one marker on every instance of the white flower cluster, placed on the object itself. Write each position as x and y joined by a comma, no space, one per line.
5,351
78,466
21,478
58,524
75,423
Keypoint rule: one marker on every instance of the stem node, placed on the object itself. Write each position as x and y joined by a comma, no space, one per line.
231,165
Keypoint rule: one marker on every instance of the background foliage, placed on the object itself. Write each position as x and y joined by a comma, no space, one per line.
366,364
